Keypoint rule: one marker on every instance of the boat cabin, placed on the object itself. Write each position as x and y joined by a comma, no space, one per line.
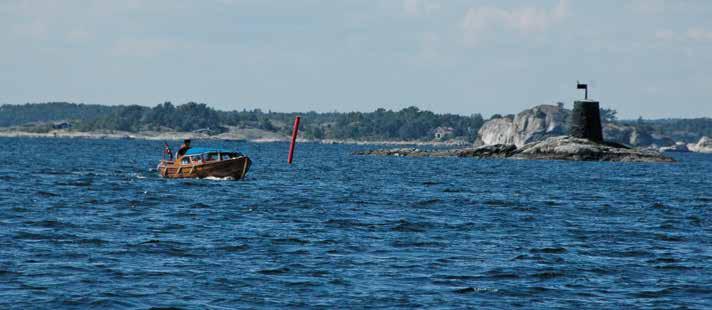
201,155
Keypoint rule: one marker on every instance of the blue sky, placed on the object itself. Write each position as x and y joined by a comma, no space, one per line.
650,58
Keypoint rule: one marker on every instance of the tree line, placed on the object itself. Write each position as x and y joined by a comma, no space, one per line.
407,124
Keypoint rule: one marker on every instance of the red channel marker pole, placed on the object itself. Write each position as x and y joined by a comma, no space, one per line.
295,130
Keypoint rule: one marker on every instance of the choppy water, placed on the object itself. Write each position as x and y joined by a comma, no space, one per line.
89,224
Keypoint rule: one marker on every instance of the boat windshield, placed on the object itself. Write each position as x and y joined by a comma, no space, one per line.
188,159
216,156
211,157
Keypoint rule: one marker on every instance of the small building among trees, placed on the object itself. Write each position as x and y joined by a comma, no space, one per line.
61,125
442,133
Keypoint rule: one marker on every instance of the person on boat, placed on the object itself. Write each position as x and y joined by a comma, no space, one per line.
167,151
184,148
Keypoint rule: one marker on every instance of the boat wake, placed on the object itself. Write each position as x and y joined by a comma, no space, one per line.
219,179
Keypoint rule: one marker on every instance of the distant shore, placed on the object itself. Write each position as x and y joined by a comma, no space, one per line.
255,136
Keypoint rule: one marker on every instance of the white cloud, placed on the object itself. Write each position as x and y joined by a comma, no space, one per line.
135,47
34,30
647,6
480,20
697,34
73,20
420,7
665,35
228,2
79,35
410,7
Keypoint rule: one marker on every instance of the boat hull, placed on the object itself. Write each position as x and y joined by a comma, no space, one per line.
231,168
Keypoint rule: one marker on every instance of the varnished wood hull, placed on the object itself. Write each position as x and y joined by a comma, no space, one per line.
234,168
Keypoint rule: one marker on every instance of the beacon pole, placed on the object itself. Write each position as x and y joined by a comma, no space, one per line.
295,130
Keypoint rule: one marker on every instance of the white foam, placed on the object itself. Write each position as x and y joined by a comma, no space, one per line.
219,179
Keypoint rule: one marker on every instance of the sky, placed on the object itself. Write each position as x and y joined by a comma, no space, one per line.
649,58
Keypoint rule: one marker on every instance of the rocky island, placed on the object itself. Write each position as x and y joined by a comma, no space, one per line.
553,148
702,146
546,132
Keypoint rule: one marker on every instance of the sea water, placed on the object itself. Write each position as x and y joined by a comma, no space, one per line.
90,224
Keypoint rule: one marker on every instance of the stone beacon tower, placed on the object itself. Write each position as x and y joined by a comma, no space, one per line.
586,118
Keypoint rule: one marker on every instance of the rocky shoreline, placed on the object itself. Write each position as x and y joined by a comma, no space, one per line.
499,150
553,148
251,136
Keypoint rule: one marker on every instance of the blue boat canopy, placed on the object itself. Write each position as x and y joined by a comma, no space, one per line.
202,150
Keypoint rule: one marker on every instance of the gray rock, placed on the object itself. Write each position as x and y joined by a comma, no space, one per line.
702,146
528,126
496,131
410,152
539,123
678,147
570,148
553,148
488,151
545,121
389,152
626,135
630,135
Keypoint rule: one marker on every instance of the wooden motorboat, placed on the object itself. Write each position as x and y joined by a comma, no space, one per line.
206,162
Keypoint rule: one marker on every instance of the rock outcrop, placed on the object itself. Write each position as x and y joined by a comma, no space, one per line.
496,131
487,151
553,148
545,121
528,126
413,152
570,148
625,134
678,147
630,135
702,146
540,133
